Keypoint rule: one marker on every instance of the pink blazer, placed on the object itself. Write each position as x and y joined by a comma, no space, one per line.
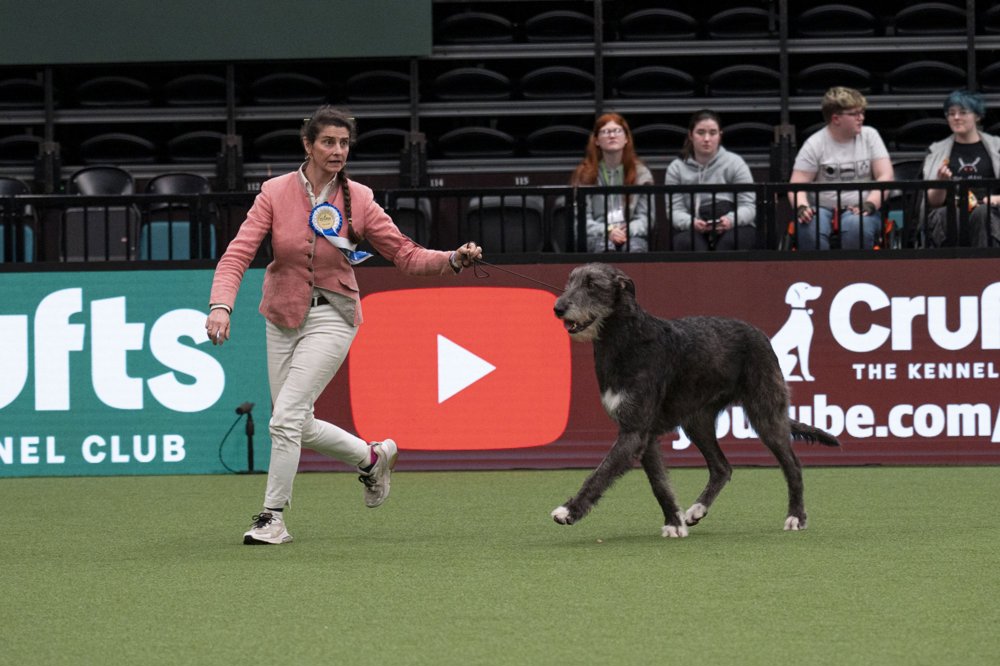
302,259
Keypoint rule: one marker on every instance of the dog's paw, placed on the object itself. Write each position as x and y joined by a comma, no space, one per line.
794,524
561,515
695,513
675,531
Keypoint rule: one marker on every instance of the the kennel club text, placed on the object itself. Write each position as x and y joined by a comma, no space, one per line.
95,449
928,370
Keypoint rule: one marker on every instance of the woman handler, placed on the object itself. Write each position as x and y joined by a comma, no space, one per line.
316,216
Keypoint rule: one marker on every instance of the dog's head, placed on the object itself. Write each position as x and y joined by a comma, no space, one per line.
801,293
592,294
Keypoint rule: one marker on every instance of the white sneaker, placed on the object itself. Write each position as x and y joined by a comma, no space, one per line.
377,480
268,527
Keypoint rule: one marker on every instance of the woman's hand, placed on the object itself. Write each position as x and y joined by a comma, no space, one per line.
701,226
217,326
618,235
468,254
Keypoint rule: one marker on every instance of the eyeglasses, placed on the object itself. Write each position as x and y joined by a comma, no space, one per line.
852,114
957,113
611,131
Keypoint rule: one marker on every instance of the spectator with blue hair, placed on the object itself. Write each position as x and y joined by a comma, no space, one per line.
969,154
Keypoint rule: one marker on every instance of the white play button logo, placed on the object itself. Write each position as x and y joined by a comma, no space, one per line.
458,368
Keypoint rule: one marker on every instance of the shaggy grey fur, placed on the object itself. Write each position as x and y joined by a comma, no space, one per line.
656,374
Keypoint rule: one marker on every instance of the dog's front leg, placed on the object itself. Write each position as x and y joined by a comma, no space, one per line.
652,462
619,460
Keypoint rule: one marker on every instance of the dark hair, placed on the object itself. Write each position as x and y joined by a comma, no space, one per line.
325,116
966,99
687,150
322,117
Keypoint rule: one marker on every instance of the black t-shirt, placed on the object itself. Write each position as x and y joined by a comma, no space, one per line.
971,161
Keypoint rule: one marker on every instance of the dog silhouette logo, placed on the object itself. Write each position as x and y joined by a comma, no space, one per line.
792,341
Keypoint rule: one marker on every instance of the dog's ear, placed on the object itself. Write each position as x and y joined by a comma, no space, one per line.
792,296
625,283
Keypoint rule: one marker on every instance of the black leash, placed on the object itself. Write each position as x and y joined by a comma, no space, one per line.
481,273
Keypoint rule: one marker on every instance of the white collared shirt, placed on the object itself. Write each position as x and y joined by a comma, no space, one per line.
324,193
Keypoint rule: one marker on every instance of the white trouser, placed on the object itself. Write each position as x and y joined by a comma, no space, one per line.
300,363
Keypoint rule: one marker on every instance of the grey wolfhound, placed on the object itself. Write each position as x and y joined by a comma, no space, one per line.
656,374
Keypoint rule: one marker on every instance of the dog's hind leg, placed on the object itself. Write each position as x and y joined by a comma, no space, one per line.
652,464
701,430
619,460
765,401
775,433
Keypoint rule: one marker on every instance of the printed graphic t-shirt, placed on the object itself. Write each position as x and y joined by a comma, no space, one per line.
835,161
971,161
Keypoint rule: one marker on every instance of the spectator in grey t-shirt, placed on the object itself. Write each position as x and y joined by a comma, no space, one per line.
843,151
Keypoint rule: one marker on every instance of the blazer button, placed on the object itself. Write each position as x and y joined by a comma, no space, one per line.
310,269
310,283
310,240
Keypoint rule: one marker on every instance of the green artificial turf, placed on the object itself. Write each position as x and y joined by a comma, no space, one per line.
898,566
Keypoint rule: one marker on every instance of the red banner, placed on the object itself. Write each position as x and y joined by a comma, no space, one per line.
900,359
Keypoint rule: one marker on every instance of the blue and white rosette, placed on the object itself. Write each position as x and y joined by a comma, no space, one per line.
326,220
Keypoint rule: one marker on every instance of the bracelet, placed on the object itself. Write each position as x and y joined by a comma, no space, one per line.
869,208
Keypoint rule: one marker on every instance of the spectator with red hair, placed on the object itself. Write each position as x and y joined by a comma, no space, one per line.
615,222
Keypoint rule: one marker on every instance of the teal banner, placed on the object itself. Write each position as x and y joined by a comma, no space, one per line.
112,373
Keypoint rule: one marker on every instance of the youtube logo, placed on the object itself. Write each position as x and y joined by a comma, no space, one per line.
460,368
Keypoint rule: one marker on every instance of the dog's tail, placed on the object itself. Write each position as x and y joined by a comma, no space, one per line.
812,434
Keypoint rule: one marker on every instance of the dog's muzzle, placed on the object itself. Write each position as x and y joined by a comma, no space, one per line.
572,326
575,327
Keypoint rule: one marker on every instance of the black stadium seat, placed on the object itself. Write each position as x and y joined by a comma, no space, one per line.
280,145
196,146
19,149
114,91
21,93
117,148
835,20
288,88
930,18
468,142
748,136
381,143
817,79
558,140
654,81
744,81
743,23
474,27
657,24
99,232
925,77
659,139
560,25
379,86
511,223
471,83
195,90
916,135
557,82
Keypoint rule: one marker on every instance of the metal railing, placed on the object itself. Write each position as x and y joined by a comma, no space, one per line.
506,221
